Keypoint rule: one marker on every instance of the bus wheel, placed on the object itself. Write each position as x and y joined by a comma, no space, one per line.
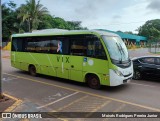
93,82
137,75
32,70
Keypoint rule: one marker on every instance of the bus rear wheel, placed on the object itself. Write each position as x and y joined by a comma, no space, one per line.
93,82
32,70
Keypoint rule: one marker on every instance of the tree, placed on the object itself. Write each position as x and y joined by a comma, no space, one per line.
59,23
31,13
119,31
8,19
151,29
128,32
49,22
32,16
74,25
46,22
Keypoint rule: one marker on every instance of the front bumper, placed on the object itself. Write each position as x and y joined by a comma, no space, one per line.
116,80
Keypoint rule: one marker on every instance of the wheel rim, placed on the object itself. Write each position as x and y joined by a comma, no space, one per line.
137,75
32,70
93,82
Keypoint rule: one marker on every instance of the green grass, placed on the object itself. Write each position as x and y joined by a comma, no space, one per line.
158,53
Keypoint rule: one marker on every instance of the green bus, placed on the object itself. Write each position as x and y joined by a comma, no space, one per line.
91,56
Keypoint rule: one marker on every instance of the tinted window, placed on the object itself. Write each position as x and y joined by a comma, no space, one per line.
54,46
64,45
86,45
135,61
42,45
81,45
50,44
148,60
141,60
77,46
17,44
37,44
95,48
158,61
30,44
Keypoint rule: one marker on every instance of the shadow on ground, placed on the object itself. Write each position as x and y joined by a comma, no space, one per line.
78,84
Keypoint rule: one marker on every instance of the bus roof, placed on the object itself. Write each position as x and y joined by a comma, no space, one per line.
47,32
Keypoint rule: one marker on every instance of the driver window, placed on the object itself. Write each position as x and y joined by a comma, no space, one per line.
149,60
95,48
158,61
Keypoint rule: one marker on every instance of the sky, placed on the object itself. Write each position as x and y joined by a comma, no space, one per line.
115,15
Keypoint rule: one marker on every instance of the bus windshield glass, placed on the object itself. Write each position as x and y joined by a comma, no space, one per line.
116,48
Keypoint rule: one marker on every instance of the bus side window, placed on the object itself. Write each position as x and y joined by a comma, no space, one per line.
65,46
37,44
17,44
90,48
95,48
14,44
99,50
29,45
54,46
42,45
77,46
62,45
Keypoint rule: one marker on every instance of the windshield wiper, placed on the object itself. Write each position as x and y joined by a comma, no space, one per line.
120,53
123,51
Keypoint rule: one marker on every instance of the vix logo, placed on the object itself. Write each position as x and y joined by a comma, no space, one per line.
63,59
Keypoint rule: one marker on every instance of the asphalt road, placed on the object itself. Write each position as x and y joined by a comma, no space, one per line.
43,93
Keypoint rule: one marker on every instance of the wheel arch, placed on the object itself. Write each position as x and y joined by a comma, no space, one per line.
31,65
32,69
89,74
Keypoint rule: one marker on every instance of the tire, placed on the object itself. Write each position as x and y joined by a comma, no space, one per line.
137,75
93,82
32,70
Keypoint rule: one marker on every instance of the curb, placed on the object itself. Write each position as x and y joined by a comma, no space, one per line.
12,107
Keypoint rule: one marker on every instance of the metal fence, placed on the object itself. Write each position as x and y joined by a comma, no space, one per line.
154,47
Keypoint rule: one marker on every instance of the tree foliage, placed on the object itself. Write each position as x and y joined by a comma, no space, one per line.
8,19
31,13
32,16
128,32
151,29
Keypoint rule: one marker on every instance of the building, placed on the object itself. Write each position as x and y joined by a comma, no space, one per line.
130,39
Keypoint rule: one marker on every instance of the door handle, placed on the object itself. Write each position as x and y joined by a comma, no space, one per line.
140,66
72,66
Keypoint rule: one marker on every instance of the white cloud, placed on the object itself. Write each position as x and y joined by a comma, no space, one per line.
129,18
125,15
154,5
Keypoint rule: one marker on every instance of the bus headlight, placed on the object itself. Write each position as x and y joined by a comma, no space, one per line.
118,72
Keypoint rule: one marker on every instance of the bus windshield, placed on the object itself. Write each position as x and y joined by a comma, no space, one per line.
116,48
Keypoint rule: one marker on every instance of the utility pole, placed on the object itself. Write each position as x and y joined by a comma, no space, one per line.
0,51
